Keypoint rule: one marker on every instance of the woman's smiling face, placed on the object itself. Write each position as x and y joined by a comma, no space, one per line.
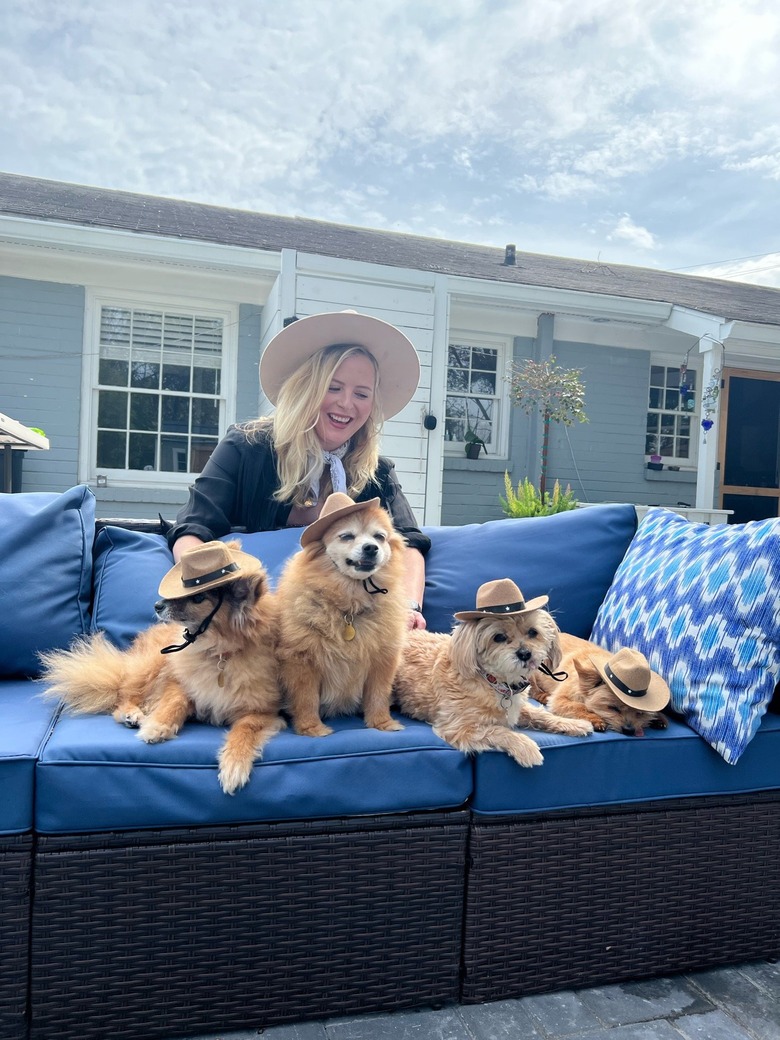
347,403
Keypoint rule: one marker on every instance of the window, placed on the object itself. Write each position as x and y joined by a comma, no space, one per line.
158,391
672,416
476,394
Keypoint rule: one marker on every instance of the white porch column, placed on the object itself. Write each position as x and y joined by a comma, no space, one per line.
712,369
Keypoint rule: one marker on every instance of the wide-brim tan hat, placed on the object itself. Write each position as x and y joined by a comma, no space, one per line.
501,598
628,675
336,506
205,567
394,353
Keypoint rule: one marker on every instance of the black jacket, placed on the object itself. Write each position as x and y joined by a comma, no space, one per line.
236,488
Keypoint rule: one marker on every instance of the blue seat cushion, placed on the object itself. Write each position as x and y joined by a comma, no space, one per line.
25,722
95,775
570,557
130,564
612,769
45,574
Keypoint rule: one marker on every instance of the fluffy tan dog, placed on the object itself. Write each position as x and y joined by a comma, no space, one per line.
472,686
615,692
224,672
342,617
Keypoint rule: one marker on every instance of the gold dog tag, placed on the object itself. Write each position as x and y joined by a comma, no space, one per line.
349,629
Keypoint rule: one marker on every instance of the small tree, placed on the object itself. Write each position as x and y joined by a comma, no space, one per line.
556,393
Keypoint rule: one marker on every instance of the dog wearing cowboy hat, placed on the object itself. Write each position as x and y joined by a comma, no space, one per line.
212,657
342,610
615,692
473,686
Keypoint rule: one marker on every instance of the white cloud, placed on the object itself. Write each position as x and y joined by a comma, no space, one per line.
630,232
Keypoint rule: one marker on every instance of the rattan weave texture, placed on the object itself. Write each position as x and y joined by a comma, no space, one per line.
15,872
246,927
572,901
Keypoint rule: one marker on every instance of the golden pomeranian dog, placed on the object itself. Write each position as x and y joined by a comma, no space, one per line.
224,671
343,612
473,685
615,692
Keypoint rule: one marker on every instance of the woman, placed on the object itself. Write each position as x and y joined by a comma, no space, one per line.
334,378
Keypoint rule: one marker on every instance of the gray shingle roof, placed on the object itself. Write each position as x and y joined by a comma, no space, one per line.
176,218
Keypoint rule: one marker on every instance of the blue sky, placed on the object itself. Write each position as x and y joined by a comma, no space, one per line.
643,132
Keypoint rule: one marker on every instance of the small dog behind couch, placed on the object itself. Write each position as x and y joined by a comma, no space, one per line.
473,686
615,692
342,617
224,672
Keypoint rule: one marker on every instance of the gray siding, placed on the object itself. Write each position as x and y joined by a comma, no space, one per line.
41,336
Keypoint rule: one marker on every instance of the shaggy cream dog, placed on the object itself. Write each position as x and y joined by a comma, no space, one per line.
343,611
212,657
473,685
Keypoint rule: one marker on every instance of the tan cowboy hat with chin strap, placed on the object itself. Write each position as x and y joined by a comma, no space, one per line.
628,675
501,598
394,353
336,506
205,567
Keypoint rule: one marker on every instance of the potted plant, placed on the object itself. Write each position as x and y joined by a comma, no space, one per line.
527,500
474,444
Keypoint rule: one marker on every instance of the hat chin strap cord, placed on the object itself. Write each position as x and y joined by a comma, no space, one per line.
558,676
190,637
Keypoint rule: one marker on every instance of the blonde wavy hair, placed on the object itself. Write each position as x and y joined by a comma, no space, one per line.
292,427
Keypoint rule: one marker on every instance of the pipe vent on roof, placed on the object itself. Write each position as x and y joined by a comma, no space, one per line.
509,256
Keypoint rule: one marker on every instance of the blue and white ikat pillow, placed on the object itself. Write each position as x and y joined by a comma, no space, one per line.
703,605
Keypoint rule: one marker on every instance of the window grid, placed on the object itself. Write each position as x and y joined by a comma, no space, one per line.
672,415
473,403
159,384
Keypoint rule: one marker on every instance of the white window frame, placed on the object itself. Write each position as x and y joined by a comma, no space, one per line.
504,346
96,299
670,361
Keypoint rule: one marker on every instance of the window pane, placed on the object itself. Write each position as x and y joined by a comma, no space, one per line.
178,332
112,410
205,416
457,380
145,375
111,450
115,326
113,373
175,415
144,412
173,454
176,377
672,400
459,357
202,447
143,451
206,381
481,383
656,375
147,333
655,398
484,359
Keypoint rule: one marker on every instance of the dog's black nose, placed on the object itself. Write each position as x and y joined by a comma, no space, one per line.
369,549
523,655
628,730
159,606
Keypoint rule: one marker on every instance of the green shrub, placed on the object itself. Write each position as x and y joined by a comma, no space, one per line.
526,500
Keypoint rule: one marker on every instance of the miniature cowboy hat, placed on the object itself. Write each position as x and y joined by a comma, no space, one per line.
395,356
500,598
205,567
628,675
336,506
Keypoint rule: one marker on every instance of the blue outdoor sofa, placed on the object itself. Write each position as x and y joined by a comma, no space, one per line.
368,871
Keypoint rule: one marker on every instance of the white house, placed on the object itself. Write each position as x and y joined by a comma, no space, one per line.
131,328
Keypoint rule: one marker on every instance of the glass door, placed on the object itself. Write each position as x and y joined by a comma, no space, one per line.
750,445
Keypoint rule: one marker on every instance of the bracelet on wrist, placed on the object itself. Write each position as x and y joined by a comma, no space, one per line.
415,607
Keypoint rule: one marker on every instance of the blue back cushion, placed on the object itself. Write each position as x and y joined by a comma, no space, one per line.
129,566
570,557
45,574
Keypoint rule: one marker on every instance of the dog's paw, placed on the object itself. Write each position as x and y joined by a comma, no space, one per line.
659,722
389,725
525,751
152,732
232,775
130,717
599,726
313,729
577,728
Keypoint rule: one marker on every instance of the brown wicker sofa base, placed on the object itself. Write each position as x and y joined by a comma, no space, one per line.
179,932
15,871
568,900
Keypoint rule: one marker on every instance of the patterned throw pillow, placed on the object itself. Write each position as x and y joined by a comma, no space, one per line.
703,604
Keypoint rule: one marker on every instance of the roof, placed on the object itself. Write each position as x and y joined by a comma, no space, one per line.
86,206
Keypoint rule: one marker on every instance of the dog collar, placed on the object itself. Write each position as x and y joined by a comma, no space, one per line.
506,691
